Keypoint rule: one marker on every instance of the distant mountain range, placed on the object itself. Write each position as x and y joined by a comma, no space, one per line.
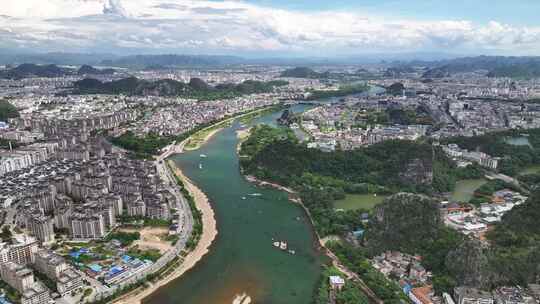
495,66
143,61
14,56
49,71
54,58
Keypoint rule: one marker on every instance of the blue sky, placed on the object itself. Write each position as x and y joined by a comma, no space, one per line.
519,12
273,27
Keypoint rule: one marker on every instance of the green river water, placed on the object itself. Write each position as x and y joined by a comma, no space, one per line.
242,259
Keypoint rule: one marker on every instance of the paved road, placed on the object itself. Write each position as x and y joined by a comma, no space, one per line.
185,223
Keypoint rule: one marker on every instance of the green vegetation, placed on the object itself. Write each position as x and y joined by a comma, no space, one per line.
195,89
357,261
6,234
46,280
350,294
143,283
125,238
7,110
197,215
4,144
250,116
343,90
358,201
151,144
402,116
151,254
303,72
530,181
172,238
197,139
321,178
395,89
12,294
514,158
410,223
514,255
147,222
465,189
484,193
142,147
33,70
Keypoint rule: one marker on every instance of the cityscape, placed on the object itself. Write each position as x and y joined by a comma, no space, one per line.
245,152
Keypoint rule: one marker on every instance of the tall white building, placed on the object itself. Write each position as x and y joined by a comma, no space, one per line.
17,276
87,227
21,251
41,227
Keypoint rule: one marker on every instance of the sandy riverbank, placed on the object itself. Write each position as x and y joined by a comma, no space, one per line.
201,141
208,235
242,136
215,129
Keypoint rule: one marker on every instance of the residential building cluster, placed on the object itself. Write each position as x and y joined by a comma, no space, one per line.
342,126
464,157
184,116
476,221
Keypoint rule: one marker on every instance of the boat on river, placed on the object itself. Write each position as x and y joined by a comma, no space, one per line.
203,156
281,245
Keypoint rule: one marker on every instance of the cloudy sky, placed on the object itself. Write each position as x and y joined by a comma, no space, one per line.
272,27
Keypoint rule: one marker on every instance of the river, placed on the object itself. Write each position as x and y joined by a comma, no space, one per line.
243,260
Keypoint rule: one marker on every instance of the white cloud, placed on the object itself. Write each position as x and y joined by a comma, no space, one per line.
235,26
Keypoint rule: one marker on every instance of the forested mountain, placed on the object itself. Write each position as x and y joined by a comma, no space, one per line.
33,70
303,72
89,70
196,88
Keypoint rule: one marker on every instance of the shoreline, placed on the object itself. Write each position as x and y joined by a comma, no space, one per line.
223,122
206,240
209,223
293,197
204,140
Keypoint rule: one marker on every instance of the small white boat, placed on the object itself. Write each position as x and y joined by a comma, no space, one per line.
200,166
244,198
292,252
256,194
276,244
203,156
283,246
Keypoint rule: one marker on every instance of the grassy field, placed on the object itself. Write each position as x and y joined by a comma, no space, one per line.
531,170
465,189
359,201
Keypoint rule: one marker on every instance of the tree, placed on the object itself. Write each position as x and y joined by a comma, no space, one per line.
6,234
7,110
